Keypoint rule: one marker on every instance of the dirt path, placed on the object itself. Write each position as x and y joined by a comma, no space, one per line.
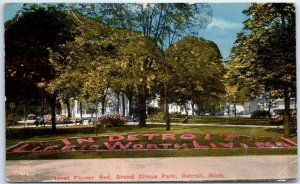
241,168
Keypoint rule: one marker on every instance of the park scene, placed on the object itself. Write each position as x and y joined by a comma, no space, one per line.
149,80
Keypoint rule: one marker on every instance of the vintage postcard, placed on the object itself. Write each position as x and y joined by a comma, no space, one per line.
150,92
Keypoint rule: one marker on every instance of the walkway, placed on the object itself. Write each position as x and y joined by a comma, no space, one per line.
232,168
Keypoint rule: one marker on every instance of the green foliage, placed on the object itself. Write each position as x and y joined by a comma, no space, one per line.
153,110
157,116
264,55
177,115
11,119
260,114
163,22
235,95
27,38
196,73
115,121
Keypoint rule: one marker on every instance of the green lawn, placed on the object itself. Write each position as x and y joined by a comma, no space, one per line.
159,129
219,120
151,129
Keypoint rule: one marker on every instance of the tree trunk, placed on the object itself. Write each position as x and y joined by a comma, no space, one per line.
166,108
123,104
234,110
80,109
25,111
68,108
102,106
228,110
161,100
95,126
269,108
193,108
43,108
130,105
185,109
142,105
286,118
53,114
118,103
295,102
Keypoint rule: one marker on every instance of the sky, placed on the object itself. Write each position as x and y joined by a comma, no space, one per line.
227,21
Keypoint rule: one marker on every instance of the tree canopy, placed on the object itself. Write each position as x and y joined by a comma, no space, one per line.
106,58
28,36
165,23
196,71
264,56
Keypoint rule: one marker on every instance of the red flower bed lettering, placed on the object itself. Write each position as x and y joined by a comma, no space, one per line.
137,142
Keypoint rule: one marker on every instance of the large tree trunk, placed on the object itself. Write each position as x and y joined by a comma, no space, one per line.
130,106
161,100
142,105
118,103
68,108
286,118
185,109
95,125
123,104
103,105
234,110
166,108
193,108
25,111
80,109
43,108
53,114
129,95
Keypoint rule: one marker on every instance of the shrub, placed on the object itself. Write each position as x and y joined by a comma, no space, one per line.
158,116
177,115
154,110
114,121
11,119
259,114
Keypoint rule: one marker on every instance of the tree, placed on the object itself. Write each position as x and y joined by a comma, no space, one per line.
196,71
141,58
82,65
266,50
164,23
107,59
27,39
236,95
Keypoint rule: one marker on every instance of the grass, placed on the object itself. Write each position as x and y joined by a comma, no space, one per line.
234,121
144,154
220,120
159,129
154,129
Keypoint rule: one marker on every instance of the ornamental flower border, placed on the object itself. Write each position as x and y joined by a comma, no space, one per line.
132,142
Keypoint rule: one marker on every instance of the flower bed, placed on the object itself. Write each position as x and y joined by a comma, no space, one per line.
152,142
115,120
